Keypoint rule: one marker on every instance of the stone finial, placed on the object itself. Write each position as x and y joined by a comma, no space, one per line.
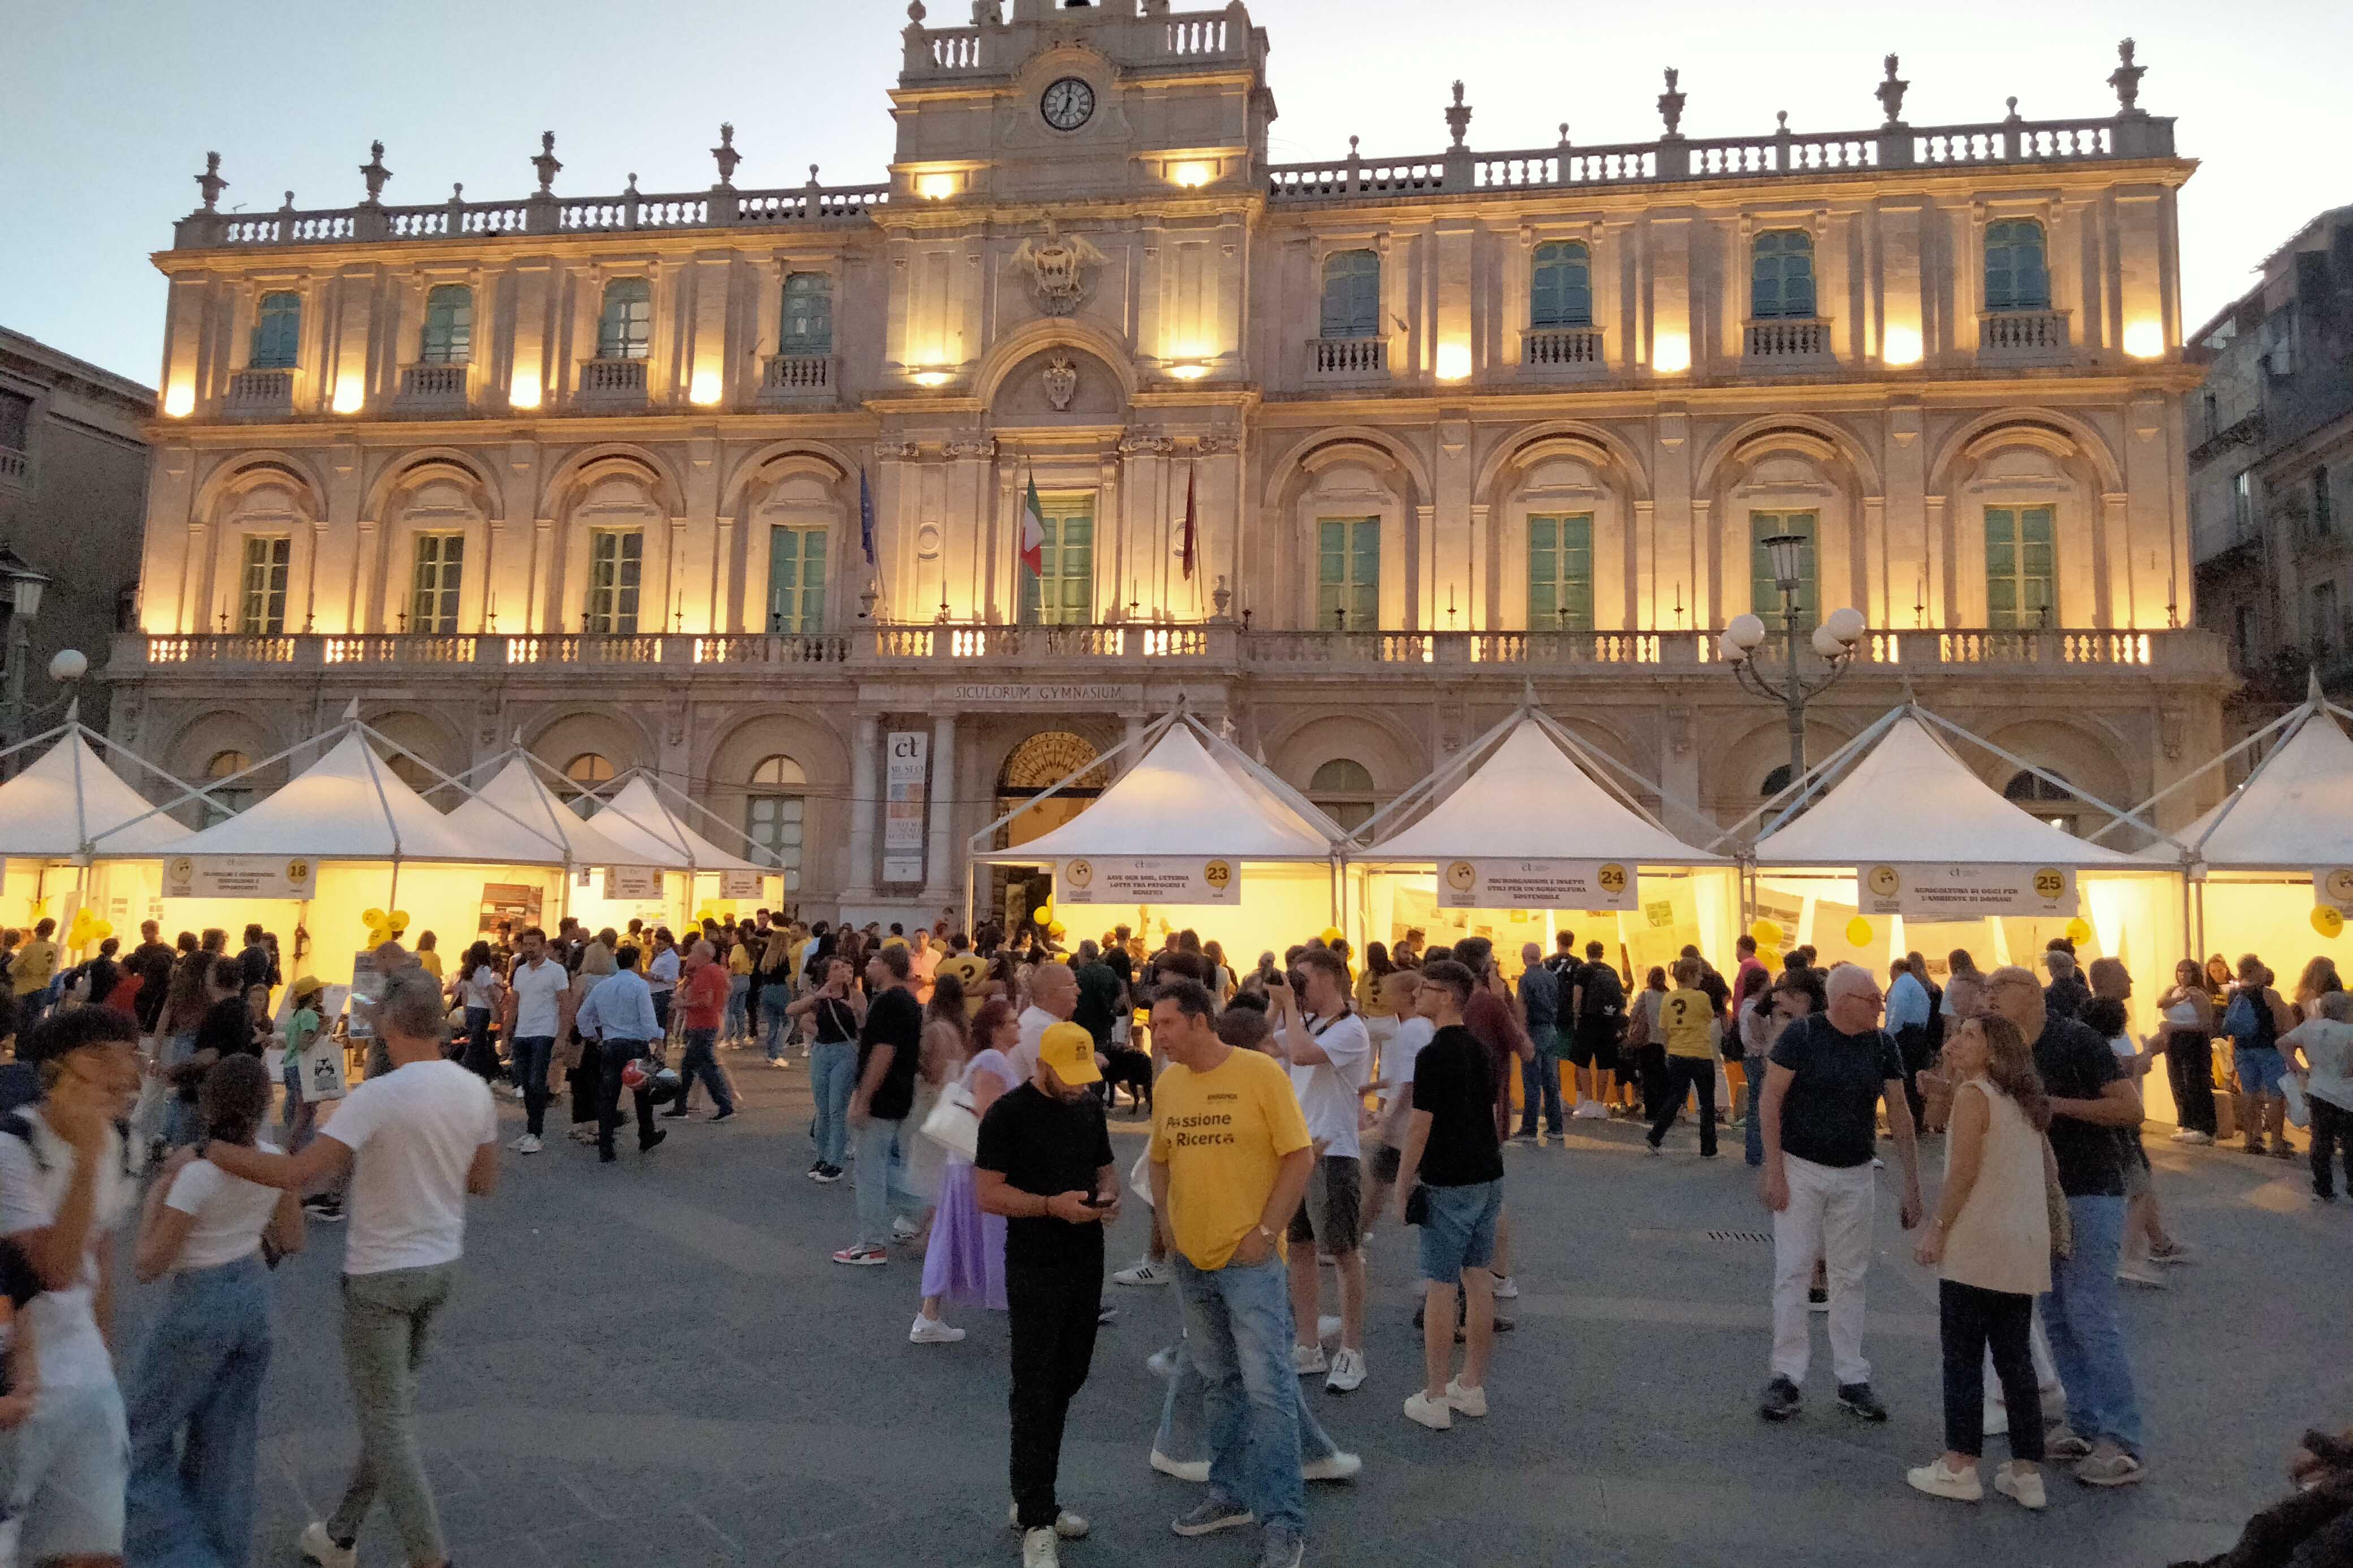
1781,122
915,12
2125,79
1670,106
988,14
813,180
546,163
2013,118
1564,132
633,184
374,173
210,182
1458,115
290,203
725,155
1891,95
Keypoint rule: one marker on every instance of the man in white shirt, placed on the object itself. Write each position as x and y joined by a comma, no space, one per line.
924,959
538,996
661,976
1330,1053
63,1189
1399,989
416,1141
1053,997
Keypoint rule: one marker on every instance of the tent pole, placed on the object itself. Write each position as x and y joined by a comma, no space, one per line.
1138,743
2230,801
2114,812
1800,787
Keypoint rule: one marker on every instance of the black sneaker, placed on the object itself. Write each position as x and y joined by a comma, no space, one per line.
647,1145
829,1175
1861,1403
678,1115
723,1115
1782,1401
1817,1298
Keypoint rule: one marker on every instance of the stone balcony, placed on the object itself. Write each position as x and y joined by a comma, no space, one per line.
1347,362
607,385
1564,352
260,395
787,379
1213,650
434,389
1796,344
2023,337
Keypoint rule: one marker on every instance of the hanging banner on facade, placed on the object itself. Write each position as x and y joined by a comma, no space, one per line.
632,882
739,885
2332,888
1920,891
1147,879
1536,885
908,767
239,877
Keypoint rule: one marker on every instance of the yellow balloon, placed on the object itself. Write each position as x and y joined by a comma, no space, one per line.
398,920
1056,931
2328,922
1767,933
372,917
2079,929
103,930
1333,934
1858,933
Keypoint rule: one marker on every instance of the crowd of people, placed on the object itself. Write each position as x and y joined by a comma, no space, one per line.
964,1083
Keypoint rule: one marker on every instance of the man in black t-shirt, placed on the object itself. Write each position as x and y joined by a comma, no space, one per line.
1045,1164
2091,1100
151,962
890,1049
1827,1074
226,1030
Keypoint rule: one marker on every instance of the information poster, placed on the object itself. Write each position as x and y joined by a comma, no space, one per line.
632,882
1538,885
909,767
2332,888
239,877
1966,892
517,903
739,884
365,987
1147,879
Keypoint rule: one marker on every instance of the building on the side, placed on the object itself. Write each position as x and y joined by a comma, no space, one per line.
2270,470
1450,426
73,505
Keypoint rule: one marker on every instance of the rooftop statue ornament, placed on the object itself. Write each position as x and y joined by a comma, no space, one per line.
1458,117
374,173
1891,95
2125,79
725,155
1671,108
988,14
546,163
1057,268
210,182
916,13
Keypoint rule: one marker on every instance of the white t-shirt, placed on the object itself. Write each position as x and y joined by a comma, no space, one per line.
65,1324
411,1133
1034,1022
1329,1092
661,974
230,1212
536,987
1397,1061
476,989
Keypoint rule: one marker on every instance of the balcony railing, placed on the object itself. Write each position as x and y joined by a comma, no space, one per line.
1214,649
1802,341
1347,359
2014,336
15,467
612,382
260,395
1566,350
434,388
789,378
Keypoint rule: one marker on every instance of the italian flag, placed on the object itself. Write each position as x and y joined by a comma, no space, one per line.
1033,532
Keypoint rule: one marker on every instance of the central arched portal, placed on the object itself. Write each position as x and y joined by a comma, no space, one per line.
1033,767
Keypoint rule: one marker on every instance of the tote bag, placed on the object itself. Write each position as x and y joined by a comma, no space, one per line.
953,1125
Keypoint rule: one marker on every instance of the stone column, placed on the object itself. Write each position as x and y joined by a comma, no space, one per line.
942,884
865,801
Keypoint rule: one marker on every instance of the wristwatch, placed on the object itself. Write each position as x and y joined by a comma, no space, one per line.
1268,1234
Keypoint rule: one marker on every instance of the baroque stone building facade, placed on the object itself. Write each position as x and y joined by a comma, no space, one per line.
1451,429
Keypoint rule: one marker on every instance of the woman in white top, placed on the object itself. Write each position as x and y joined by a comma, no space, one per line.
1990,1245
2324,1044
200,1367
478,990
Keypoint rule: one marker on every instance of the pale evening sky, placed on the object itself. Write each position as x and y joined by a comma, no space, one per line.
111,104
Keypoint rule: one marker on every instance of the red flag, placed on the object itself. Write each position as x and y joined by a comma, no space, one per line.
1187,546
1033,532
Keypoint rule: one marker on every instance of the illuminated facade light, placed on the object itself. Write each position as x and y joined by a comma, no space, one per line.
933,378
524,391
1671,354
704,390
1901,347
1192,176
180,401
936,187
350,396
2144,339
1191,371
1455,362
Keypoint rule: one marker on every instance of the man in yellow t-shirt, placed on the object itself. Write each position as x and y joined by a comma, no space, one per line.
1687,1017
1231,1159
35,962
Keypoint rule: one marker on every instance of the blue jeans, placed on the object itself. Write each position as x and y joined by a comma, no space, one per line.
833,1073
882,1188
1755,1067
200,1370
739,1007
532,1053
1184,1434
776,1028
701,1062
2087,1339
1238,1331
1540,1081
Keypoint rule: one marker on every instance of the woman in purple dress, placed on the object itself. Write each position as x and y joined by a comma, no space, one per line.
965,1260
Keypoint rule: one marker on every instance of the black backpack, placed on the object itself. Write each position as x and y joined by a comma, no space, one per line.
1605,995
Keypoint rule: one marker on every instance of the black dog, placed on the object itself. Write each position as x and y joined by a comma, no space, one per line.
1131,1070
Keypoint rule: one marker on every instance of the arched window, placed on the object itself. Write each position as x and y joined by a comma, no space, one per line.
1342,790
412,773
1352,295
1561,286
2017,277
775,814
220,805
586,772
277,331
449,326
808,314
1775,782
1781,275
2053,803
625,327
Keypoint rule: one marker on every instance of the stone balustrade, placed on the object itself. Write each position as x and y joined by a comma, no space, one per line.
1804,338
786,378
260,395
2022,335
435,388
1347,359
1566,349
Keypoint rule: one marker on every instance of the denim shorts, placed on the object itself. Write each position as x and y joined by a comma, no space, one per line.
1460,1230
2260,1069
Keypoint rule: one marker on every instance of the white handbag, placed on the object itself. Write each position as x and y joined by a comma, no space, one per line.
953,1124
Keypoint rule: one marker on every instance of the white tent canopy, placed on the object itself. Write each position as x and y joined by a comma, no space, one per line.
1909,798
347,805
514,818
2294,813
60,808
1531,799
1186,798
645,831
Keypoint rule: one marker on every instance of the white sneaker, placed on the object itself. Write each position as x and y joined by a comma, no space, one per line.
1162,1363
2193,1138
1586,1110
1194,1470
905,1230
1327,1331
1308,1360
1434,1414
1468,1401
1347,1372
1039,1549
1961,1486
1335,1466
1146,1272
2027,1488
2142,1273
515,1091
1506,1288
317,1546
1066,1525
526,1145
931,1331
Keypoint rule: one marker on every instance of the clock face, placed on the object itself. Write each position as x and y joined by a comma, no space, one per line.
1068,104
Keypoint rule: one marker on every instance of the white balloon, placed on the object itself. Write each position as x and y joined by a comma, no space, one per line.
1746,633
1846,624
69,664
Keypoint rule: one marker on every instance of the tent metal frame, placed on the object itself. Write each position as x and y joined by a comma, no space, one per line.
665,793
73,726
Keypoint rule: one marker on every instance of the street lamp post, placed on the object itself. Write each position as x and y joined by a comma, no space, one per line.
20,601
1835,640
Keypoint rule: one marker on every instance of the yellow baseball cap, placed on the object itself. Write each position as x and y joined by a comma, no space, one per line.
1069,1050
